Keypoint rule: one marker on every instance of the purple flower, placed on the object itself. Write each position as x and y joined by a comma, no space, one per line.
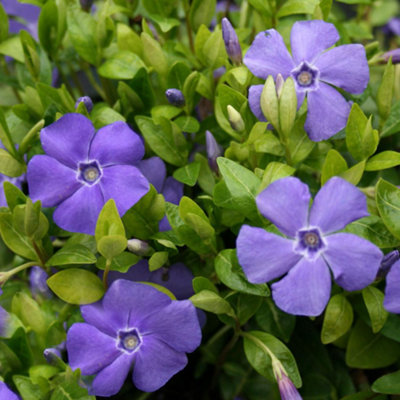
83,169
387,261
6,393
231,41
177,278
392,27
214,150
314,70
155,171
287,389
87,101
394,54
392,294
175,97
28,13
37,280
134,324
312,246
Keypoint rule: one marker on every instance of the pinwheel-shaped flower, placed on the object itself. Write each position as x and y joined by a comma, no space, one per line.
313,70
83,169
312,247
134,324
6,393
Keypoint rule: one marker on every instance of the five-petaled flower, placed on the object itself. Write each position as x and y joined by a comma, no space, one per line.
312,247
83,169
134,324
314,70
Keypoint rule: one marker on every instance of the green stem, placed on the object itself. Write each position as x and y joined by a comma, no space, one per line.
95,85
188,25
106,272
7,72
39,253
8,274
76,80
29,136
108,90
261,345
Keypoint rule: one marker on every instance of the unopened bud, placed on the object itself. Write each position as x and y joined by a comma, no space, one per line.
235,119
87,101
287,389
53,357
279,84
175,97
231,42
388,260
139,247
213,151
394,54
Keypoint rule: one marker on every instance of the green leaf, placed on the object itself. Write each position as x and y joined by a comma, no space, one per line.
337,320
14,195
354,173
361,139
373,299
162,140
12,47
120,263
274,171
72,254
188,174
291,7
153,54
383,160
187,124
128,39
3,24
111,246
109,222
201,12
48,27
201,283
122,65
388,203
241,183
387,384
334,165
29,312
27,389
231,274
214,50
9,165
298,142
210,301
257,347
368,351
157,260
16,241
385,91
178,74
165,24
76,286
392,123
189,90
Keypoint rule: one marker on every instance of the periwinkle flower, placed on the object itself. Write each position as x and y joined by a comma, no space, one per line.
87,101
287,389
134,324
387,262
393,54
6,393
391,301
392,27
177,278
28,15
312,247
314,69
175,97
155,171
37,281
214,150
83,169
231,41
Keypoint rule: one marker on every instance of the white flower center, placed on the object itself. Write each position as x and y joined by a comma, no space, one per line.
304,78
91,174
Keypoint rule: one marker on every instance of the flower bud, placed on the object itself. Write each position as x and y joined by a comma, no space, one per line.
86,4
287,389
175,97
235,119
139,247
87,101
388,260
279,84
231,42
395,54
213,151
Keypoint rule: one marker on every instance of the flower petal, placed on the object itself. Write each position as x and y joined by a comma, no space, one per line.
6,393
353,260
129,302
95,314
116,143
110,380
79,212
392,294
254,101
285,203
327,112
305,290
310,38
89,349
173,190
50,181
125,184
155,364
346,67
337,204
155,171
68,139
176,324
268,55
263,255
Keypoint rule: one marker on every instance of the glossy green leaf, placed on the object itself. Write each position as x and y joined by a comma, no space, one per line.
122,65
334,165
188,174
388,203
201,12
157,260
210,301
385,91
109,221
373,299
388,384
72,254
383,160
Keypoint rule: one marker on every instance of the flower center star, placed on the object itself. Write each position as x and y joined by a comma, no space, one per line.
129,341
309,243
89,173
305,76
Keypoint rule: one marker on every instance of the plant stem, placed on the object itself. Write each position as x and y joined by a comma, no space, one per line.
27,139
188,25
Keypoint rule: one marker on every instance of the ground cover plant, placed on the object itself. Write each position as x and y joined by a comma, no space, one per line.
199,199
